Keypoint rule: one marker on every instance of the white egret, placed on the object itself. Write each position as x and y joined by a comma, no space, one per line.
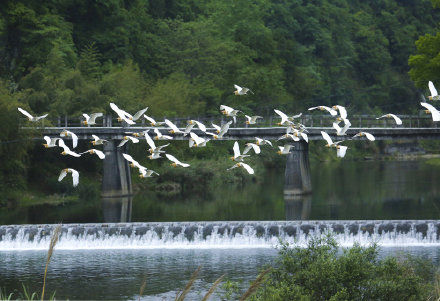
97,152
342,131
97,140
325,108
73,172
133,162
175,161
197,141
152,121
287,136
342,111
340,149
139,114
241,90
434,95
223,130
243,165
155,156
284,118
66,133
250,146
396,119
50,142
365,134
260,142
252,119
125,139
91,120
230,112
66,149
159,135
122,115
284,150
435,114
30,117
153,148
146,173
174,128
237,155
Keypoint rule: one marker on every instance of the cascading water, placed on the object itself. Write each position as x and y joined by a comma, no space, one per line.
210,235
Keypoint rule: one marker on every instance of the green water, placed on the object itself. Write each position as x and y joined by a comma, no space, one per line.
341,190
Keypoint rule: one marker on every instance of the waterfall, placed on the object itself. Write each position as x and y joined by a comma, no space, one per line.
210,235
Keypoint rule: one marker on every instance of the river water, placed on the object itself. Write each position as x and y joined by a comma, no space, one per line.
109,261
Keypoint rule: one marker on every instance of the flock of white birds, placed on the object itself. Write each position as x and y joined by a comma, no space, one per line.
295,131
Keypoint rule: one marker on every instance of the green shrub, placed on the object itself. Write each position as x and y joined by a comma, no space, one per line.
322,272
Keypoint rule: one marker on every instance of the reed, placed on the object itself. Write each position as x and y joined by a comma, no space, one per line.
141,290
53,242
213,288
181,296
256,284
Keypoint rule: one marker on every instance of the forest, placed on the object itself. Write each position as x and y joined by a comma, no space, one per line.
182,58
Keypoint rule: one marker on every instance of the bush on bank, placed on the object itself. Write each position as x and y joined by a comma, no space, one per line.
322,272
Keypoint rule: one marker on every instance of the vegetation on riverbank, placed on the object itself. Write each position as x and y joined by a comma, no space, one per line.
321,271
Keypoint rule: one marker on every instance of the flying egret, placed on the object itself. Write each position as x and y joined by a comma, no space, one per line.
152,121
340,149
97,140
197,141
396,119
122,115
66,133
250,146
73,172
153,148
91,120
50,142
297,133
97,152
325,108
287,136
230,112
30,117
260,142
146,173
217,128
223,130
284,118
241,90
191,124
284,150
365,134
174,128
133,162
139,114
159,135
237,155
66,149
245,166
434,95
252,119
341,131
175,161
342,112
125,139
435,114
155,156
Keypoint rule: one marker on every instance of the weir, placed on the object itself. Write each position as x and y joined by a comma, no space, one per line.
116,179
297,179
220,235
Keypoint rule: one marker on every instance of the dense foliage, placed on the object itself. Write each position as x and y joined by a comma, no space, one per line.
321,272
182,57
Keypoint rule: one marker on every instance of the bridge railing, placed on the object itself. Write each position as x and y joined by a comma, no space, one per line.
312,120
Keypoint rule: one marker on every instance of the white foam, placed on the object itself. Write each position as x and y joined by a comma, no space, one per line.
222,235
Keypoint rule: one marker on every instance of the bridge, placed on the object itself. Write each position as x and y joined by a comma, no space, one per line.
116,172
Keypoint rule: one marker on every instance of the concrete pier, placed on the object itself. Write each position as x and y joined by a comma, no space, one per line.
297,173
117,209
116,180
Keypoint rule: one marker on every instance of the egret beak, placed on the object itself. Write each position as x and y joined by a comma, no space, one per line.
63,153
46,145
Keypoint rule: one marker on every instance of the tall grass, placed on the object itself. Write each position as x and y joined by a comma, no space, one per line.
181,295
255,285
53,242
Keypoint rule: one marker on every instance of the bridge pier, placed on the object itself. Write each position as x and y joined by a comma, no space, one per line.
297,180
116,180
